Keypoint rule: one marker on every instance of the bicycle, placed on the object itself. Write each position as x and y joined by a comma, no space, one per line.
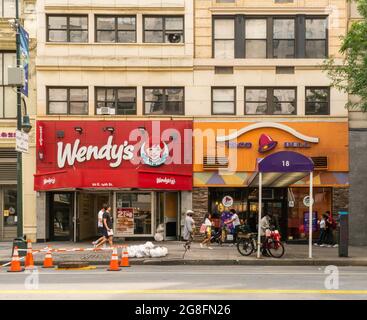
247,244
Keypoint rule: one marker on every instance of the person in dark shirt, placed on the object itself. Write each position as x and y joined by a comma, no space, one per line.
107,227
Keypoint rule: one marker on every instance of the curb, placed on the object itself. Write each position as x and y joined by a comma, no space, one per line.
261,262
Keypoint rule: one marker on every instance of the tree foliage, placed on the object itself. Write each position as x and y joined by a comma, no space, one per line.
351,75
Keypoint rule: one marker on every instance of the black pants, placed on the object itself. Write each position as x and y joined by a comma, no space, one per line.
322,238
235,233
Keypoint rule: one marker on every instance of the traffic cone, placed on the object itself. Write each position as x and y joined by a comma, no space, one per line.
15,262
47,262
124,258
114,263
29,262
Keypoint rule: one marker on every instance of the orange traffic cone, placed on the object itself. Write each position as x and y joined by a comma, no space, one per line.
125,258
29,262
15,262
114,263
48,263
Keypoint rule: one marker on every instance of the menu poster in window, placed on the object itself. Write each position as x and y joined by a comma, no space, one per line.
125,221
306,221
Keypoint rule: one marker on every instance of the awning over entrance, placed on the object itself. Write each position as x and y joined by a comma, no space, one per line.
282,169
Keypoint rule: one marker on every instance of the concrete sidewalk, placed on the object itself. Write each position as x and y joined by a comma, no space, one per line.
224,255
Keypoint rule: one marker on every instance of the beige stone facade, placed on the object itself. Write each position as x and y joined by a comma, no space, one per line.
189,64
8,124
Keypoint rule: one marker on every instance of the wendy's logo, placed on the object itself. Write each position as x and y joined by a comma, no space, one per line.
154,156
266,143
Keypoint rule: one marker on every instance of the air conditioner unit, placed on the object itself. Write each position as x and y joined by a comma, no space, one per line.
174,37
105,110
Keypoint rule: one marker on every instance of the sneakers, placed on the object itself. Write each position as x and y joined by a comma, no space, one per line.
231,244
335,245
316,244
210,248
201,245
322,245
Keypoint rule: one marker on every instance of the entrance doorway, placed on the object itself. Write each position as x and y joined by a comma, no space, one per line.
88,207
8,206
61,216
278,210
168,204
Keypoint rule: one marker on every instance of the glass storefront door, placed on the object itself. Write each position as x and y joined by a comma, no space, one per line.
61,216
8,207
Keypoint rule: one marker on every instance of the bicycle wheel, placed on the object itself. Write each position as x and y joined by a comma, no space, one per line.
275,248
245,247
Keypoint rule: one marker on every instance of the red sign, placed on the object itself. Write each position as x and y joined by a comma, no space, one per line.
114,154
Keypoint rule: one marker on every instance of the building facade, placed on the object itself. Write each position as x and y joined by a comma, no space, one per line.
245,76
260,62
8,114
107,73
358,158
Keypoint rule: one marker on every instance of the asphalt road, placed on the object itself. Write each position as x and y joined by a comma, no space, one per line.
187,282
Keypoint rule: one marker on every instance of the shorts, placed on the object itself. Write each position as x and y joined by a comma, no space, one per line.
105,234
100,231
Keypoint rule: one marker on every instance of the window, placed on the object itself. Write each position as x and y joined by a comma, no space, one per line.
317,101
164,100
270,101
283,38
120,101
224,101
133,214
224,38
121,29
7,8
8,95
273,37
71,101
164,29
316,35
255,38
61,28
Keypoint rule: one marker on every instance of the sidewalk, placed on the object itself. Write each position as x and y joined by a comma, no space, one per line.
225,255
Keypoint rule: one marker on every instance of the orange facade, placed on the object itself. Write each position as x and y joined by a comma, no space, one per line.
332,142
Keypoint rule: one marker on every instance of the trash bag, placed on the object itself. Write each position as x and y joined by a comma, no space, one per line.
160,228
158,237
149,245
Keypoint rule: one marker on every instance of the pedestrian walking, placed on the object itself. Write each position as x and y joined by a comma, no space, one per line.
322,237
100,225
188,229
330,227
235,220
208,231
107,227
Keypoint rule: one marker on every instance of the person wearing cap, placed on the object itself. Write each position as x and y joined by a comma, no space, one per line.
188,228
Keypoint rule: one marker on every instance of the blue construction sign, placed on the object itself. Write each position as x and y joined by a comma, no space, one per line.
24,57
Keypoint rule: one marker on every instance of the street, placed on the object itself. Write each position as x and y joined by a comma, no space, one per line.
185,282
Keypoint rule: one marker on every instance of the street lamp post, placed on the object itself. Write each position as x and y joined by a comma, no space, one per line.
19,127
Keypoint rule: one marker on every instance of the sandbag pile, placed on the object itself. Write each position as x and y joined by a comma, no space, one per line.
147,250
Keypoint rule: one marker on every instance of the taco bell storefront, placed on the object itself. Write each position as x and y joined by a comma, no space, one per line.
224,178
143,169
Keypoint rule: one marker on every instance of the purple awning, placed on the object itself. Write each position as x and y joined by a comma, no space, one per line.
286,161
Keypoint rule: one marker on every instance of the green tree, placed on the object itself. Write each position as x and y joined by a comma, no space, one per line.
351,75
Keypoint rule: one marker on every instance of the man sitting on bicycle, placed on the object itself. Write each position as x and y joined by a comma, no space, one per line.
265,223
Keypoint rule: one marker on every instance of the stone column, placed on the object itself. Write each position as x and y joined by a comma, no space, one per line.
200,203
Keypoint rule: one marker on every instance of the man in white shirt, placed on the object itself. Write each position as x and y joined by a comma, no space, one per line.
100,225
235,220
